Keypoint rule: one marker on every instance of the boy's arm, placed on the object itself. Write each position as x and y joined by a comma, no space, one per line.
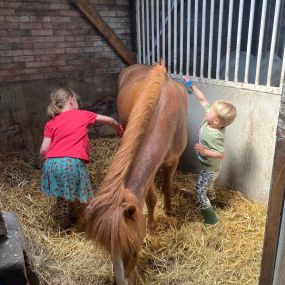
207,152
197,92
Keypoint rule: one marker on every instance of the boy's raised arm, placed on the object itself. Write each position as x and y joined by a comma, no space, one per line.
197,92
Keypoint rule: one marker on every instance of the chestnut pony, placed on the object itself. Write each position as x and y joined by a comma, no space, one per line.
152,107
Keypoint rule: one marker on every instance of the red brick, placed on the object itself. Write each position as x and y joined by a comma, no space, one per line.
3,33
55,50
34,52
10,52
42,32
8,12
42,39
10,40
43,19
45,63
17,19
30,26
23,58
47,57
44,45
75,50
69,13
60,19
59,6
74,38
5,59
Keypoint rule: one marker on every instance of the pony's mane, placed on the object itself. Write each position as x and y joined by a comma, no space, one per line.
104,222
137,124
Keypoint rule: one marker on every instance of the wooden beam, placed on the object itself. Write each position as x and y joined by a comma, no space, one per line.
86,7
275,203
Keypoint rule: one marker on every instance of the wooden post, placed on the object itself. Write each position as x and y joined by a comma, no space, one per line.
275,203
86,7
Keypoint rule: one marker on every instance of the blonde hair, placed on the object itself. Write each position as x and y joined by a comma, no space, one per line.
225,111
58,99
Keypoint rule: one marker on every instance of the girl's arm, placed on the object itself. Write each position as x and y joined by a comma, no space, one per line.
45,145
105,120
207,152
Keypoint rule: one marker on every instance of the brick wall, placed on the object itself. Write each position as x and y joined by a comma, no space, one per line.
49,43
48,39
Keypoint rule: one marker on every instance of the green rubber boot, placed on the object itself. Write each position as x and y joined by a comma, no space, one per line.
210,217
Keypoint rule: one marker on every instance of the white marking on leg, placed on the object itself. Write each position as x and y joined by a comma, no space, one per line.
119,271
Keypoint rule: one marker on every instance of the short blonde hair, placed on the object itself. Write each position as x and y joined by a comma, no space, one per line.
58,99
225,111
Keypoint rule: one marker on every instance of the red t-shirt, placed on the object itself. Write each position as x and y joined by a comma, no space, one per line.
69,134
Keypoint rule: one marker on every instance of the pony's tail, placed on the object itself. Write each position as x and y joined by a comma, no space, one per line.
119,226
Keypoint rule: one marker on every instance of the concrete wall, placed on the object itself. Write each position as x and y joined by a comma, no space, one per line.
249,142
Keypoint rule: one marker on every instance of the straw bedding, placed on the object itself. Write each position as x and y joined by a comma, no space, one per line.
182,251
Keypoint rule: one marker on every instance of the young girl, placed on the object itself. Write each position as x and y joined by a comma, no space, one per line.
65,148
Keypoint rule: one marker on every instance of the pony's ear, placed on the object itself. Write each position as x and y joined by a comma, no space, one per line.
129,212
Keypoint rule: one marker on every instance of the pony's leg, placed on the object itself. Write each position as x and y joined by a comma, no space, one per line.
150,203
167,186
119,272
130,268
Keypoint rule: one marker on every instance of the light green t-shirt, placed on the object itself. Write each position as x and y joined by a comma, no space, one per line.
212,139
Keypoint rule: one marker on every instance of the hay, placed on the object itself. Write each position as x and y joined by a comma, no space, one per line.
183,250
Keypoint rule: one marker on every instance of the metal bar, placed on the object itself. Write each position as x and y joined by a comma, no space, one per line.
181,34
147,32
175,37
211,39
249,40
221,9
195,38
169,35
203,39
138,31
239,85
282,71
163,29
157,32
143,32
152,33
229,40
188,36
273,41
260,42
238,39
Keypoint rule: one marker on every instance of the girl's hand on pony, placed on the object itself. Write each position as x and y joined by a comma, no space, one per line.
121,131
200,148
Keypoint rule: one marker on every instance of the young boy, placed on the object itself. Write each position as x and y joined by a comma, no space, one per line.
210,149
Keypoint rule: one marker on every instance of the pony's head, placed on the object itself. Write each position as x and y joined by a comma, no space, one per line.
116,221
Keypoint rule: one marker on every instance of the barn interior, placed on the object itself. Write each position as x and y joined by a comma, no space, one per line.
233,50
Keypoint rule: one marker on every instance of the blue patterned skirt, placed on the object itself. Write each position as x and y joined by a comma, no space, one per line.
67,178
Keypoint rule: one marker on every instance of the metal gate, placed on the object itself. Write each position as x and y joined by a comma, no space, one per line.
238,43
